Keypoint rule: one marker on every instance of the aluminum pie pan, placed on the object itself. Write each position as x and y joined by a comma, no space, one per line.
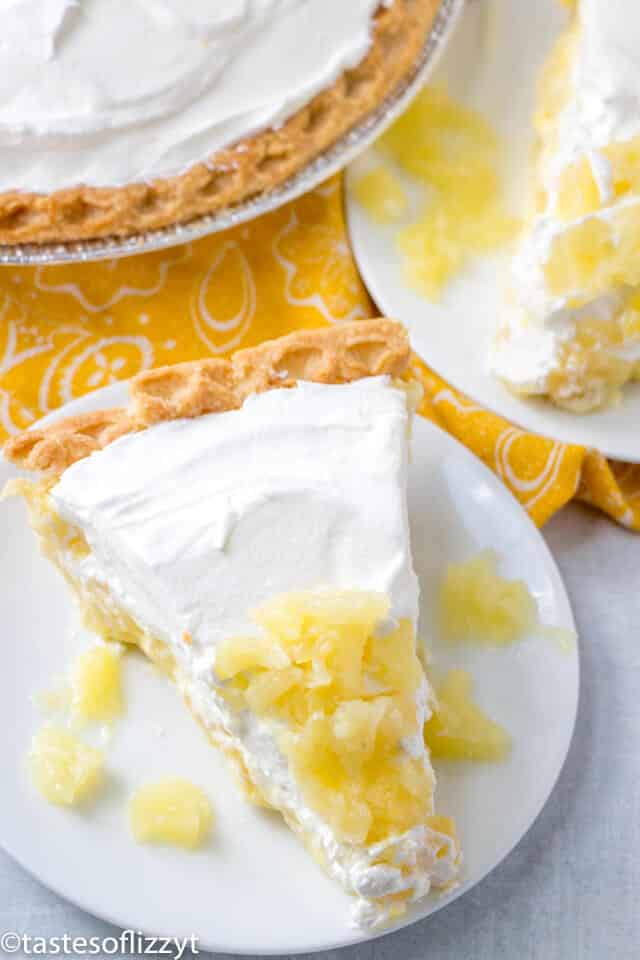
325,165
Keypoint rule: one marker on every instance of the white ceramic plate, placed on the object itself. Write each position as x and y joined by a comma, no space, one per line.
492,64
254,889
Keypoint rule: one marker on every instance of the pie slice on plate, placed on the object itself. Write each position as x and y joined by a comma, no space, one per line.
244,523
573,330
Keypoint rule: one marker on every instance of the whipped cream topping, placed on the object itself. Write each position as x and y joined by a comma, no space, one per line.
107,92
603,107
194,523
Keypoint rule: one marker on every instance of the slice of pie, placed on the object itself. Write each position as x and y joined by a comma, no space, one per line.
245,524
573,330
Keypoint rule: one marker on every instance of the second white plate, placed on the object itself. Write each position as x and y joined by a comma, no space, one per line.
492,64
254,889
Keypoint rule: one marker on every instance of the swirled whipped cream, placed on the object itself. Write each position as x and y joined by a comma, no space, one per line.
107,92
192,524
589,109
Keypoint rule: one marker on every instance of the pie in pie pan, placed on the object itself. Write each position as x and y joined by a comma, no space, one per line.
122,118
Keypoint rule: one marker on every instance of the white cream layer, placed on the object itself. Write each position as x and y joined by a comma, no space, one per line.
604,107
194,523
106,92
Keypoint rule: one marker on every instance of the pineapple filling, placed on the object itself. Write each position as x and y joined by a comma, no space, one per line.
578,193
596,255
382,195
64,769
454,155
54,532
476,604
171,811
590,358
458,729
349,698
97,685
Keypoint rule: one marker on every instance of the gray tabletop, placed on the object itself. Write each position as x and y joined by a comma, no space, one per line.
570,890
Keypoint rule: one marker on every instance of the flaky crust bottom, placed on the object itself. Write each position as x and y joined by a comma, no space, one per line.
235,174
337,354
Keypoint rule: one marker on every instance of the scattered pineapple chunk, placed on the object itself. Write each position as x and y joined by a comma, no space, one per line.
454,154
440,243
477,604
381,194
171,811
97,684
65,770
458,729
349,698
430,138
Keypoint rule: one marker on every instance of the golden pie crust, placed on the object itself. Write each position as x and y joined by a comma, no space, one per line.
340,354
235,174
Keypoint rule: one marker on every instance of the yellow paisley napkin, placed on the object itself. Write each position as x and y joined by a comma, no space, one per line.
70,329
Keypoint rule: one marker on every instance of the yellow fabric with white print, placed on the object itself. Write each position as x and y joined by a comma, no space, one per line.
67,330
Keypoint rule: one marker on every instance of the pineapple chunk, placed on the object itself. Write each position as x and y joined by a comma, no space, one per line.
382,195
458,729
171,811
630,320
355,728
578,192
266,688
477,604
429,140
65,770
590,368
454,153
624,158
97,685
579,257
393,661
595,256
348,695
245,653
362,789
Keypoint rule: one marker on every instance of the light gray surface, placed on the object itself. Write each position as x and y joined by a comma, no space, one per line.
570,889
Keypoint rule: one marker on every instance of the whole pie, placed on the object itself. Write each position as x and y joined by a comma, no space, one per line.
120,116
244,523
